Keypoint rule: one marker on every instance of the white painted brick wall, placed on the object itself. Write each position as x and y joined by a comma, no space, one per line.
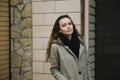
39,55
42,31
68,6
37,43
37,19
38,67
44,7
44,14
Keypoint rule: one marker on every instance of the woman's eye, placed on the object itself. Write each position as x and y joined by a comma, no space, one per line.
63,25
69,23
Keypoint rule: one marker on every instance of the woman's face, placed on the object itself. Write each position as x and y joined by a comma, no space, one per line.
66,26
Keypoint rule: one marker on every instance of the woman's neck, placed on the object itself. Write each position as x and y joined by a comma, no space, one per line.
69,37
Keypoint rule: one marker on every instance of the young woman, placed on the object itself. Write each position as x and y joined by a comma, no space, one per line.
66,51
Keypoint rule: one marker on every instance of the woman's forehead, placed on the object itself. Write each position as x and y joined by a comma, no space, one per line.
64,20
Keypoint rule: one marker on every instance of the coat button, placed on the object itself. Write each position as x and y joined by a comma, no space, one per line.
79,72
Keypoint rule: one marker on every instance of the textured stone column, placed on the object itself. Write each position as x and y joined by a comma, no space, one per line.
21,39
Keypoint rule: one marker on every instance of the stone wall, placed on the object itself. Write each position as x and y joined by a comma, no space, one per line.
91,36
21,42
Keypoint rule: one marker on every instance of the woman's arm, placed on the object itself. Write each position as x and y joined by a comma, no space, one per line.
55,63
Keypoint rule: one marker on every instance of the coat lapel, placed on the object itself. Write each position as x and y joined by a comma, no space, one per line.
80,53
68,49
81,50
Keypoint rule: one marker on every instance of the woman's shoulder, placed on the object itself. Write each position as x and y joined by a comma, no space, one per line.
57,42
54,44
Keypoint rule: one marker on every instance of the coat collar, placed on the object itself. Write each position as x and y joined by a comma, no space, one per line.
59,41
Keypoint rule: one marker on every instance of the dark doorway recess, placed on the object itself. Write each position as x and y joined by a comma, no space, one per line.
107,40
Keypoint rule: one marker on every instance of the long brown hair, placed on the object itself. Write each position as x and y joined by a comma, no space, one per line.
55,32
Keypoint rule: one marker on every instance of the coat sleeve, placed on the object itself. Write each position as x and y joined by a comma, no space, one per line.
55,63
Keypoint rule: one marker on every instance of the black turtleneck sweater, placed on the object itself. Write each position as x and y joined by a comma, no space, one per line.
73,44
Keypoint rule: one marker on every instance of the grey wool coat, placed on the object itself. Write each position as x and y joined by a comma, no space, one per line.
65,65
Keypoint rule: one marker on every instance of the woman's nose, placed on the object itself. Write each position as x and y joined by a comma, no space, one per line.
68,26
